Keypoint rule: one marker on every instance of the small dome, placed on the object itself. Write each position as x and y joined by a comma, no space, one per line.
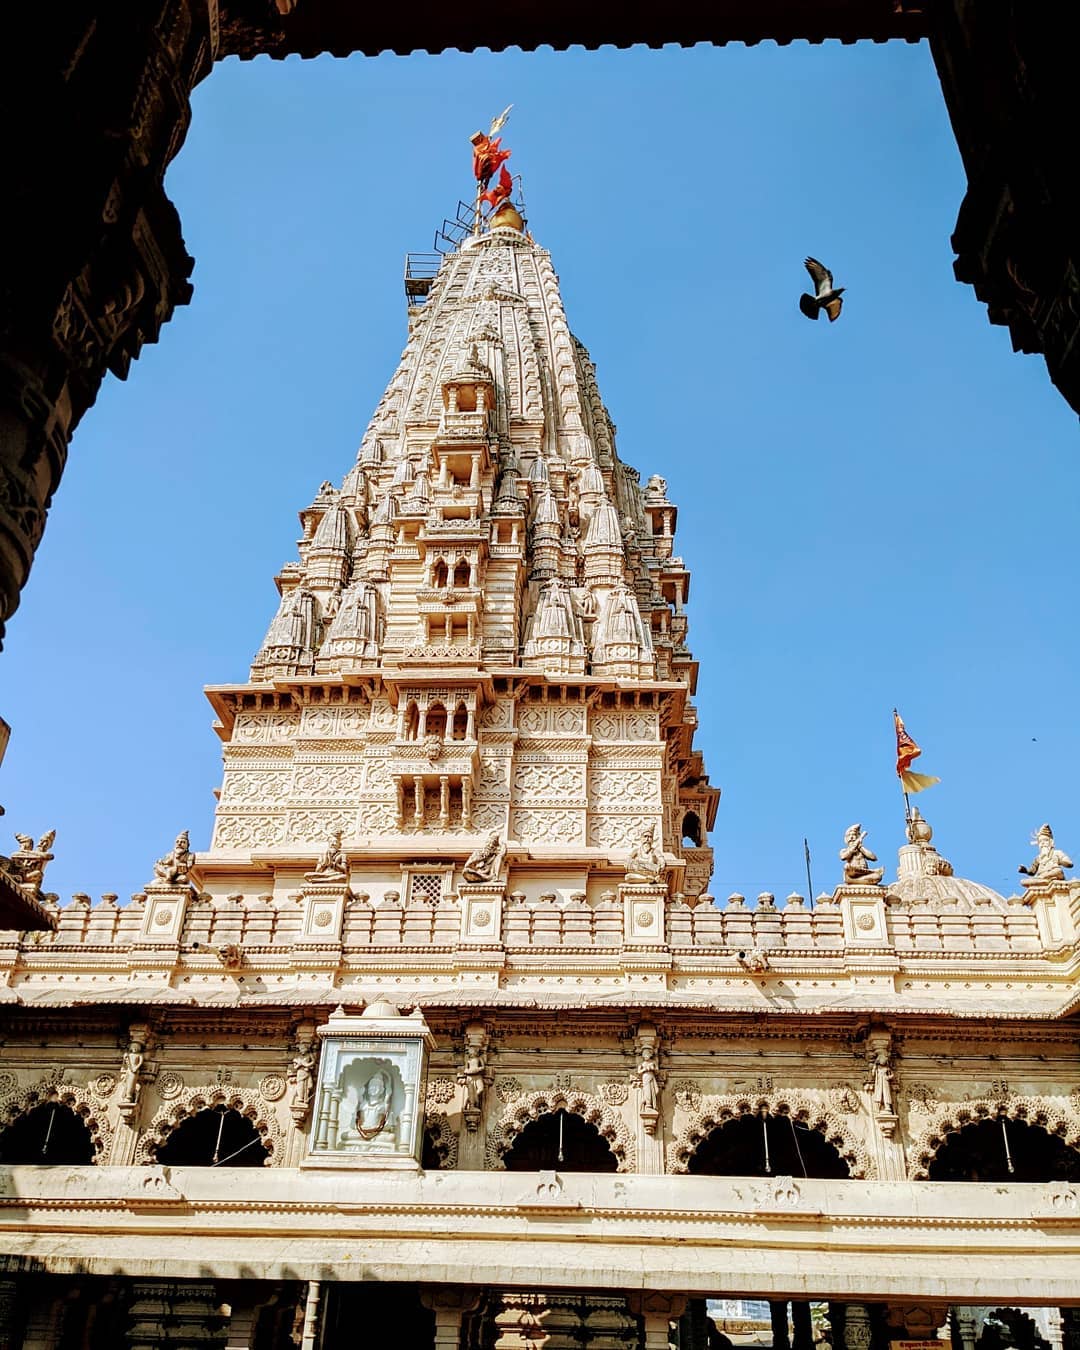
382,1007
926,878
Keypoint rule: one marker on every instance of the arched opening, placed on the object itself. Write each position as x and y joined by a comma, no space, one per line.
47,1135
560,1141
412,722
692,835
1004,1150
218,1136
461,722
435,721
461,574
763,1145
441,575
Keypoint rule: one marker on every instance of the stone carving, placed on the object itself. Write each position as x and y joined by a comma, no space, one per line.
879,1080
474,1077
104,1085
531,1105
809,1108
484,864
331,866
615,1094
1049,863
169,1085
172,869
374,1117
646,862
687,1094
921,1097
508,1090
648,1076
844,1099
132,1069
1056,1115
439,1091
272,1087
857,858
26,866
301,1074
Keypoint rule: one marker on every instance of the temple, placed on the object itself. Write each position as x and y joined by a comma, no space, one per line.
444,1038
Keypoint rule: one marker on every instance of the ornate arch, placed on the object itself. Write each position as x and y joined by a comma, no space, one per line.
191,1101
1056,1115
444,1140
805,1107
90,1109
531,1105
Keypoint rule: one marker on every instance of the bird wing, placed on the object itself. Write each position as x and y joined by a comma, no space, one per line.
819,275
832,309
46,841
497,123
809,306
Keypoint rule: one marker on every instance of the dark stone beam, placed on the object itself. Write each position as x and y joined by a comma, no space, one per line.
92,261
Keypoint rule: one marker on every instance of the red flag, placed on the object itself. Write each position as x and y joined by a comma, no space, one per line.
907,751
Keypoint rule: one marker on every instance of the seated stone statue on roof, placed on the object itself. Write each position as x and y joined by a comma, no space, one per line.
857,858
1049,863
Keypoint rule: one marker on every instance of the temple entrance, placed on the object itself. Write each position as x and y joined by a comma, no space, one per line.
375,1314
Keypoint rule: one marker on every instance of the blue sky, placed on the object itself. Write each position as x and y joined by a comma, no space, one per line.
878,511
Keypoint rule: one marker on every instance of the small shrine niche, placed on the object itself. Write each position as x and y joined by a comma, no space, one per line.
370,1096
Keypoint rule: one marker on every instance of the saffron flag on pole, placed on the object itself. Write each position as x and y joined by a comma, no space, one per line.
906,753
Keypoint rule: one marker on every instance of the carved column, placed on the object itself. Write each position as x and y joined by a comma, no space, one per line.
309,1335
657,1312
450,1303
92,261
965,1328
857,1334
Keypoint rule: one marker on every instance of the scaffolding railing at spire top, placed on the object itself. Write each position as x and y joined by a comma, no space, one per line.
422,268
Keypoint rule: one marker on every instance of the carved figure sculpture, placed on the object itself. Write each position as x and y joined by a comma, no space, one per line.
130,1071
302,1073
857,858
331,865
27,864
172,870
1049,863
472,1079
485,863
647,1077
374,1110
879,1082
646,862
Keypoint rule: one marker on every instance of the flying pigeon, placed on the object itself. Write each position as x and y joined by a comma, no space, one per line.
827,297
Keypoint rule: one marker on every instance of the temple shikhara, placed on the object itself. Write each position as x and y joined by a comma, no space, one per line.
443,1041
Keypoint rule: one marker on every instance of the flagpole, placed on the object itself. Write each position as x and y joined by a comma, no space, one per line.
903,790
809,883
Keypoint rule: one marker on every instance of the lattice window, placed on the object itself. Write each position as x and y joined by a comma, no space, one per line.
425,888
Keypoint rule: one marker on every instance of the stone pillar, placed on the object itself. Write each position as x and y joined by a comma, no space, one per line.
309,1336
450,1303
778,1315
657,1312
1055,1329
965,1328
802,1326
857,1335
92,261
